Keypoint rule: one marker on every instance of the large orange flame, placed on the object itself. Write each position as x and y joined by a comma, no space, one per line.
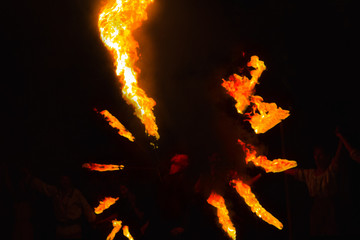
244,191
117,225
241,88
105,204
117,21
268,115
102,167
277,165
264,115
218,201
115,123
127,233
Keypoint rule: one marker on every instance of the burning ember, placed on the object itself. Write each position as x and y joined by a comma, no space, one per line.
116,229
116,23
268,115
117,125
223,214
105,204
244,191
277,165
127,233
102,167
264,115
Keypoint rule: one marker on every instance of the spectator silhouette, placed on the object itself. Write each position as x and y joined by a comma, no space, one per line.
70,206
323,184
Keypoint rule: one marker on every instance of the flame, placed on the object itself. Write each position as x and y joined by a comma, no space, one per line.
102,167
117,225
241,88
127,233
117,125
244,191
223,214
259,67
116,23
269,115
277,165
105,204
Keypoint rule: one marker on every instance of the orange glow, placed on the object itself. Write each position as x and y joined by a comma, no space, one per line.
105,204
244,191
117,21
277,165
102,167
259,67
223,214
117,225
265,115
241,88
117,125
127,233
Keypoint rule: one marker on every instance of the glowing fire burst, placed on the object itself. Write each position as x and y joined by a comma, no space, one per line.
127,233
115,123
102,167
244,191
241,88
223,214
264,115
116,23
277,165
269,115
117,226
105,204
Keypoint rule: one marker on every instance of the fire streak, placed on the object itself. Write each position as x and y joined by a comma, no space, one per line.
277,165
116,229
102,167
269,115
117,21
127,233
244,191
241,88
105,204
223,214
114,122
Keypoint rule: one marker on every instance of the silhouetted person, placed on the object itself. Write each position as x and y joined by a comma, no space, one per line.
70,206
322,183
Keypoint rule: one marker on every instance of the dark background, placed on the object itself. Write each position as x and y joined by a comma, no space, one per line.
56,70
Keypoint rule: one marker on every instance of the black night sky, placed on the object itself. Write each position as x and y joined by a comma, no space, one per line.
57,71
